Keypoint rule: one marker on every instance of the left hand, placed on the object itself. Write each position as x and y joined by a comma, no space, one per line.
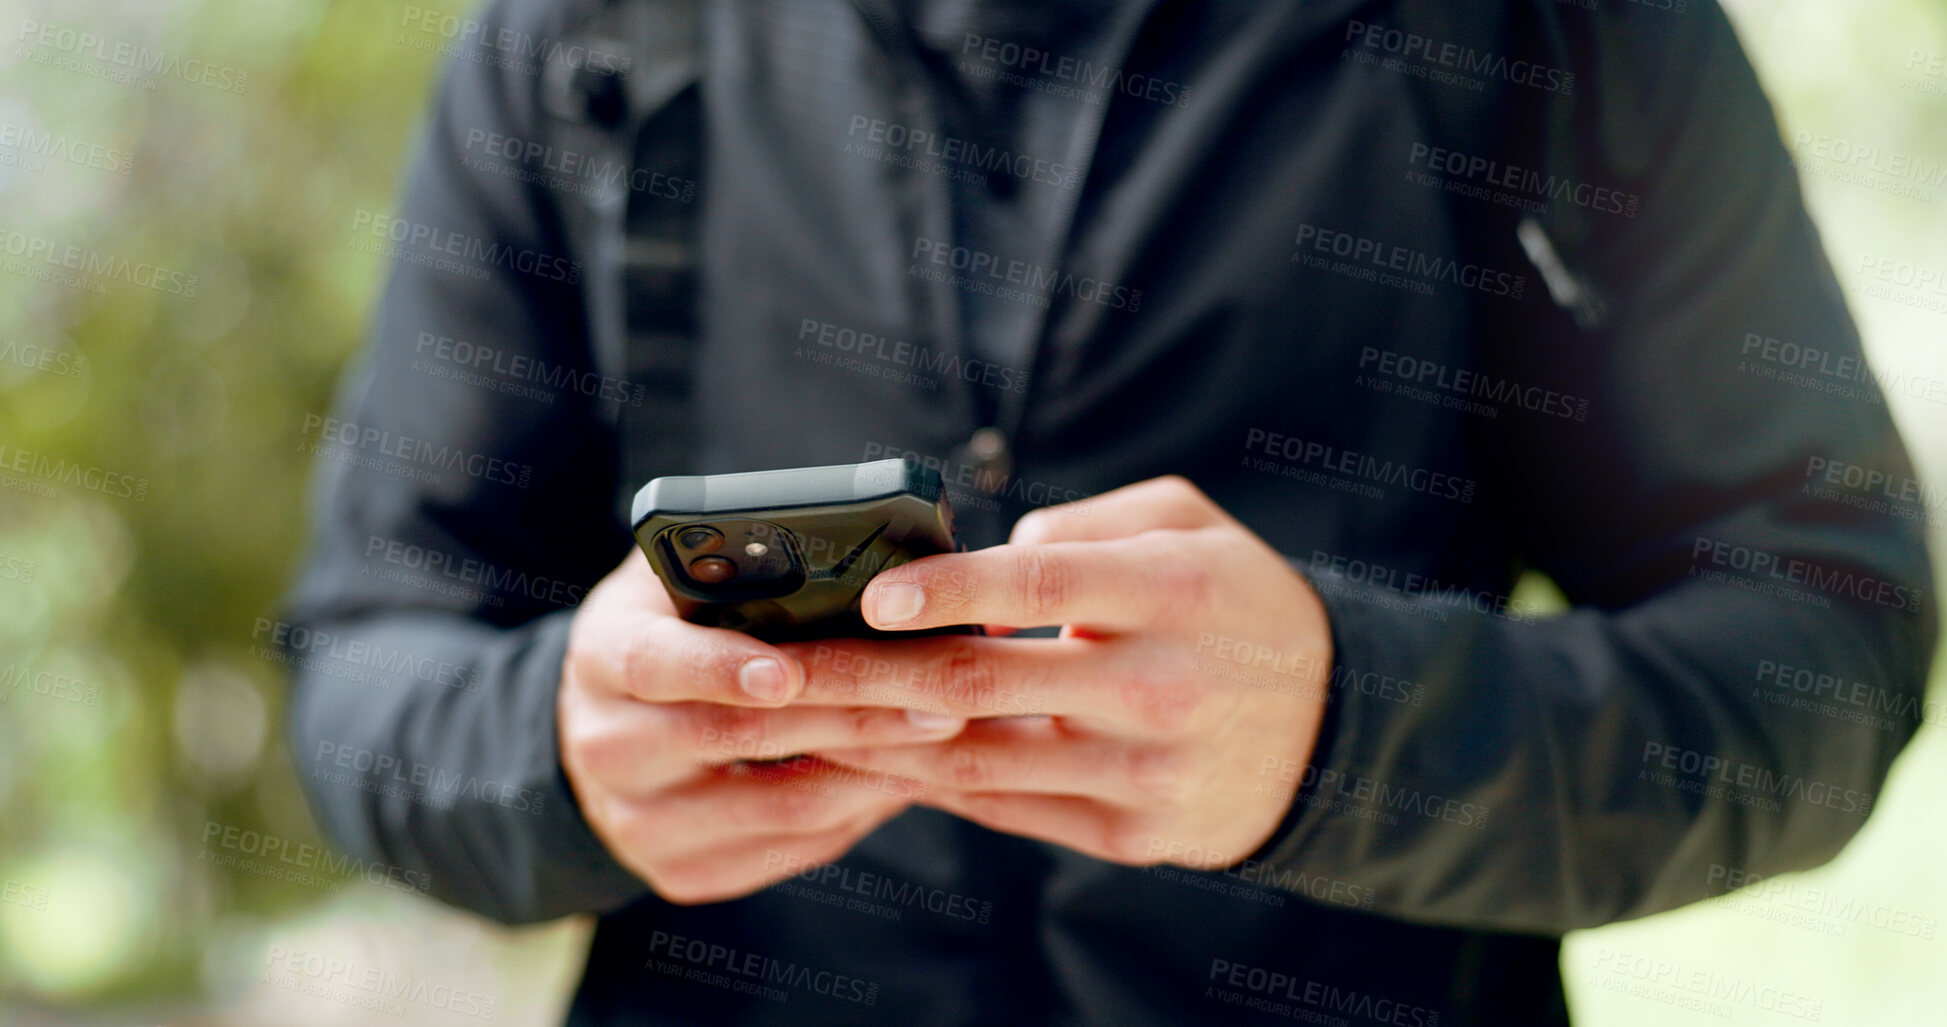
1191,658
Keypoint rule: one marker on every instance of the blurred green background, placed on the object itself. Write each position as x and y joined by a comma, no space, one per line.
153,860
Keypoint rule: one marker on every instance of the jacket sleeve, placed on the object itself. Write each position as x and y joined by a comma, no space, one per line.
1748,641
463,507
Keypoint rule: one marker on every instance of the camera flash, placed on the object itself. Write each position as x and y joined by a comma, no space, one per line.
756,549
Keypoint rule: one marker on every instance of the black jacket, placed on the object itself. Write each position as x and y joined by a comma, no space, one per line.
1275,287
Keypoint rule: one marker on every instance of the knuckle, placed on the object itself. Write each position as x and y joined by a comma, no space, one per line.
1184,493
1184,581
969,679
970,767
1178,484
1044,582
949,590
1159,697
1032,526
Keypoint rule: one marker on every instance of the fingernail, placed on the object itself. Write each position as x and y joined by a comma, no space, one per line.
762,678
932,723
897,604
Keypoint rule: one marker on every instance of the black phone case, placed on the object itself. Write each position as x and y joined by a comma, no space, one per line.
823,533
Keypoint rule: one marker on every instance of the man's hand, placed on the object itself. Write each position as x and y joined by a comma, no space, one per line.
1191,656
655,715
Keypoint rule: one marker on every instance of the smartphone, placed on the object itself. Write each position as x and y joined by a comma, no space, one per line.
785,555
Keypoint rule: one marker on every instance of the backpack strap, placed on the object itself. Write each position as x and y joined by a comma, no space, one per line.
637,122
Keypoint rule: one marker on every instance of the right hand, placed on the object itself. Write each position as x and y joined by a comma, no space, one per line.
655,716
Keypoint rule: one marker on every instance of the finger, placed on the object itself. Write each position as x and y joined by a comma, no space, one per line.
718,734
616,746
634,749
1040,757
727,806
1087,826
666,659
1105,585
1167,502
733,871
970,676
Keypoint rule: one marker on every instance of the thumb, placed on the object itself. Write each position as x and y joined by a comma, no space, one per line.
1169,502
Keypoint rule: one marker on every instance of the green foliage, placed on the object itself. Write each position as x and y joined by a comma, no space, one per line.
152,602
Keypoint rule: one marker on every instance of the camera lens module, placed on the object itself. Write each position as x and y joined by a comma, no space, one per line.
712,570
699,538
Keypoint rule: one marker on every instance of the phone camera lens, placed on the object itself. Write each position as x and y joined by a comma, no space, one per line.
712,570
699,539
